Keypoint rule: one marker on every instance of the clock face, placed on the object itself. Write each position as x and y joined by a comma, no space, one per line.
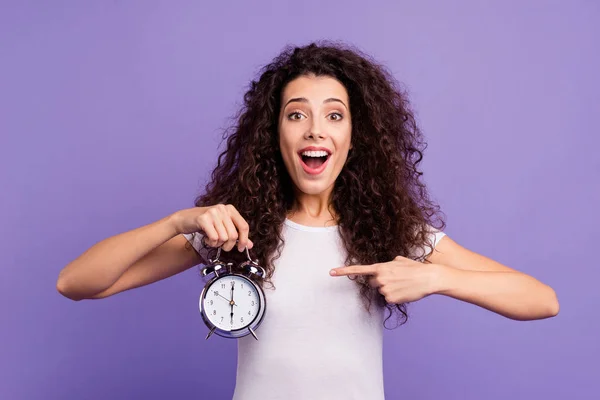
231,302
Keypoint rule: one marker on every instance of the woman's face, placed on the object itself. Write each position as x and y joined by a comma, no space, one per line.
314,131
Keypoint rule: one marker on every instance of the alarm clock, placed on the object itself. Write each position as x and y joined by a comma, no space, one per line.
232,305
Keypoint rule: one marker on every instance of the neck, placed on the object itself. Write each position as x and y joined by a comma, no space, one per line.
313,209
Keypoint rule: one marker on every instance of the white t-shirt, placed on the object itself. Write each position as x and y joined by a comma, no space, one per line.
317,341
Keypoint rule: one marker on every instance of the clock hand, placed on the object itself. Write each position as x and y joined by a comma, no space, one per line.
232,302
229,301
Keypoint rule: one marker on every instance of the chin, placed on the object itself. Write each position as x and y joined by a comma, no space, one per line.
313,188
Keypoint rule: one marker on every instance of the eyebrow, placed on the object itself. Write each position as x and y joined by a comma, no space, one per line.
305,100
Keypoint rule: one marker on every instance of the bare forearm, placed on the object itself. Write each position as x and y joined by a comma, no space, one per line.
512,294
102,264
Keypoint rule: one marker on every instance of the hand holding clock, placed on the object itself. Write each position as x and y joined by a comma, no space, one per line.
221,224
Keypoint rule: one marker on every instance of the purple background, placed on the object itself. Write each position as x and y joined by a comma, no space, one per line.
110,116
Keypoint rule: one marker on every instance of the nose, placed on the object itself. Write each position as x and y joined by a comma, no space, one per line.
315,130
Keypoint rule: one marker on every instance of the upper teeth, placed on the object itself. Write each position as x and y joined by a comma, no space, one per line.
319,153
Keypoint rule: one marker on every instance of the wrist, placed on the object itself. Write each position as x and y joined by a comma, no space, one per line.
442,277
172,223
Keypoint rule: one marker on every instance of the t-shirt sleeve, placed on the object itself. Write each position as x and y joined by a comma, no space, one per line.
195,239
433,237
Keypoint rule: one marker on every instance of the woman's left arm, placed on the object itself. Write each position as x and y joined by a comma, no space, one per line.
468,276
457,272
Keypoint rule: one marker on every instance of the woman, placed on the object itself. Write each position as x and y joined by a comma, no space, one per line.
320,180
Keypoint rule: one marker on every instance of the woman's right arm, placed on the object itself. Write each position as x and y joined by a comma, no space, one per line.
150,253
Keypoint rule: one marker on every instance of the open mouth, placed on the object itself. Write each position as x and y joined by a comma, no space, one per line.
314,162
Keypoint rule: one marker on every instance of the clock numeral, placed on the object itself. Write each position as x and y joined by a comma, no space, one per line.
211,302
242,285
214,312
249,292
250,303
222,286
221,319
216,292
248,312
242,319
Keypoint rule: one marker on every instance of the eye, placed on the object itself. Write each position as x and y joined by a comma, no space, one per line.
335,116
295,116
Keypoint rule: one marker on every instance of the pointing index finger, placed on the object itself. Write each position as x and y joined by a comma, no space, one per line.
354,270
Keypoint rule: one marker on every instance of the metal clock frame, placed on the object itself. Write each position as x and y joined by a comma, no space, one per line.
252,268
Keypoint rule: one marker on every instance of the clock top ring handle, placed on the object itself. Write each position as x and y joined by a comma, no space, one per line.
250,266
216,260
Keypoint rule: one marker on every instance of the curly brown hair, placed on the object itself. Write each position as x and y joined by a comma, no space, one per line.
382,206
